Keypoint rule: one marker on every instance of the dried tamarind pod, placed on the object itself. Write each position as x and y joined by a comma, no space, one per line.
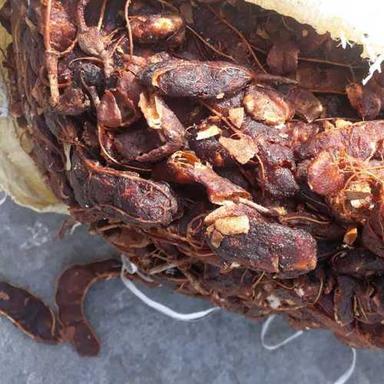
201,79
239,234
29,314
122,194
72,288
348,184
185,167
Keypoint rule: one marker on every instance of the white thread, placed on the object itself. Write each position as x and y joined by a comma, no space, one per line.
264,330
349,372
132,269
3,198
73,228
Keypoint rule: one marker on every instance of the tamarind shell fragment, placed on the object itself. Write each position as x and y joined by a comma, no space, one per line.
29,314
72,289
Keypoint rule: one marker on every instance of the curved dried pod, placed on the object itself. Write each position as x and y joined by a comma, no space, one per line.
185,167
72,288
29,314
192,78
121,195
241,235
151,29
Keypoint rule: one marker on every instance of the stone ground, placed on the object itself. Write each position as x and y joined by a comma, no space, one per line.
139,345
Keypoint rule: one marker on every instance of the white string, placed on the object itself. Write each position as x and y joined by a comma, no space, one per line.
132,269
73,228
349,372
264,330
3,198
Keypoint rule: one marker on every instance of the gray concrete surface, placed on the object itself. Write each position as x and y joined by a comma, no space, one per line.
140,346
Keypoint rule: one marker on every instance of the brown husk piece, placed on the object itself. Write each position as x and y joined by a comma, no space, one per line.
29,314
72,288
